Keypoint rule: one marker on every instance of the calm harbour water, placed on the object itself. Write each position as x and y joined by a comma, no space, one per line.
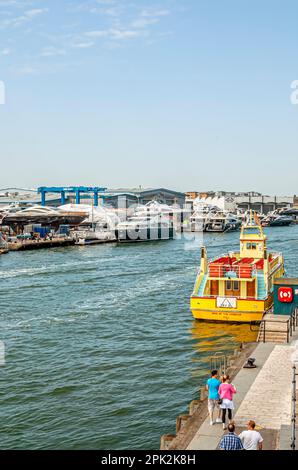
101,348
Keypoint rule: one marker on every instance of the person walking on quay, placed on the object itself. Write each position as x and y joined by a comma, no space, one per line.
231,441
212,386
226,393
251,439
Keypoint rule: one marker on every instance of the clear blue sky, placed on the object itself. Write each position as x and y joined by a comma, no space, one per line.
185,94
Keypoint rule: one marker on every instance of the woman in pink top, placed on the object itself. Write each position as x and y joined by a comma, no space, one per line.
226,392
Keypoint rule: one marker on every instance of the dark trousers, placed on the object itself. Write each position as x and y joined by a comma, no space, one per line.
224,414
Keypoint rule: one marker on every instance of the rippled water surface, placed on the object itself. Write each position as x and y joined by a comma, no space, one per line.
101,349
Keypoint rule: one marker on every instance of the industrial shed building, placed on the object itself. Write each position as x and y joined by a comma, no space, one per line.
115,197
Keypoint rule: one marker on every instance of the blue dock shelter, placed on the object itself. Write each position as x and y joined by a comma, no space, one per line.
285,296
77,190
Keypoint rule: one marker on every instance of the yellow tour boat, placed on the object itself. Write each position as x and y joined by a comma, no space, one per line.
238,286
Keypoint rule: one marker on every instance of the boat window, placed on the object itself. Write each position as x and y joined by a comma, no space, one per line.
229,285
236,285
251,246
250,230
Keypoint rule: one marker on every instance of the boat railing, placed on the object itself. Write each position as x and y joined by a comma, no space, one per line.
275,262
209,296
232,271
276,268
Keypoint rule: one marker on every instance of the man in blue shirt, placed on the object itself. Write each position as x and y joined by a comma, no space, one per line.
212,386
231,441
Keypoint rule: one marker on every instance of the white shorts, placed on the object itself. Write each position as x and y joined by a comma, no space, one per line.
228,404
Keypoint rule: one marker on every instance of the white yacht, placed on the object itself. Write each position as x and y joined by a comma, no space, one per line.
174,213
98,226
211,218
197,221
153,208
145,227
221,221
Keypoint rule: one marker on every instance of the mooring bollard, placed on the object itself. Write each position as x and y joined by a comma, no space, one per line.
202,393
166,440
180,422
193,406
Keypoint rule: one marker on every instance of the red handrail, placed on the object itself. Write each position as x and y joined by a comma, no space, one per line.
220,270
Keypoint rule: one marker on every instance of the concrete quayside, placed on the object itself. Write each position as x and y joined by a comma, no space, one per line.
265,393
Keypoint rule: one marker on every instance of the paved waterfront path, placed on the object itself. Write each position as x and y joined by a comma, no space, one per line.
263,394
268,401
207,437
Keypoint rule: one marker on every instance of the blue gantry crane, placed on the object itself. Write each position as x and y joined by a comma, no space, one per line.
77,190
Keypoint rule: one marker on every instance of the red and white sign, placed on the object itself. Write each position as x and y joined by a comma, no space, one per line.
285,294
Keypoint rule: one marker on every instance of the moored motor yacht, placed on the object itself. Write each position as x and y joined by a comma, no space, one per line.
221,222
145,228
276,219
199,217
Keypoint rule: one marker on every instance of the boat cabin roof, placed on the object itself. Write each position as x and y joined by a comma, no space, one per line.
233,261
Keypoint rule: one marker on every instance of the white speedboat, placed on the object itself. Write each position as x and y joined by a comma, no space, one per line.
94,236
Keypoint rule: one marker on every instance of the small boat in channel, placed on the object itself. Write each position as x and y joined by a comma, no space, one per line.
238,286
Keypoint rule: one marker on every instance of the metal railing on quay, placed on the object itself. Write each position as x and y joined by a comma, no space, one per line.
294,399
292,324
219,362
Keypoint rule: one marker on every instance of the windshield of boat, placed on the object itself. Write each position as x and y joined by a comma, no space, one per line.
250,230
